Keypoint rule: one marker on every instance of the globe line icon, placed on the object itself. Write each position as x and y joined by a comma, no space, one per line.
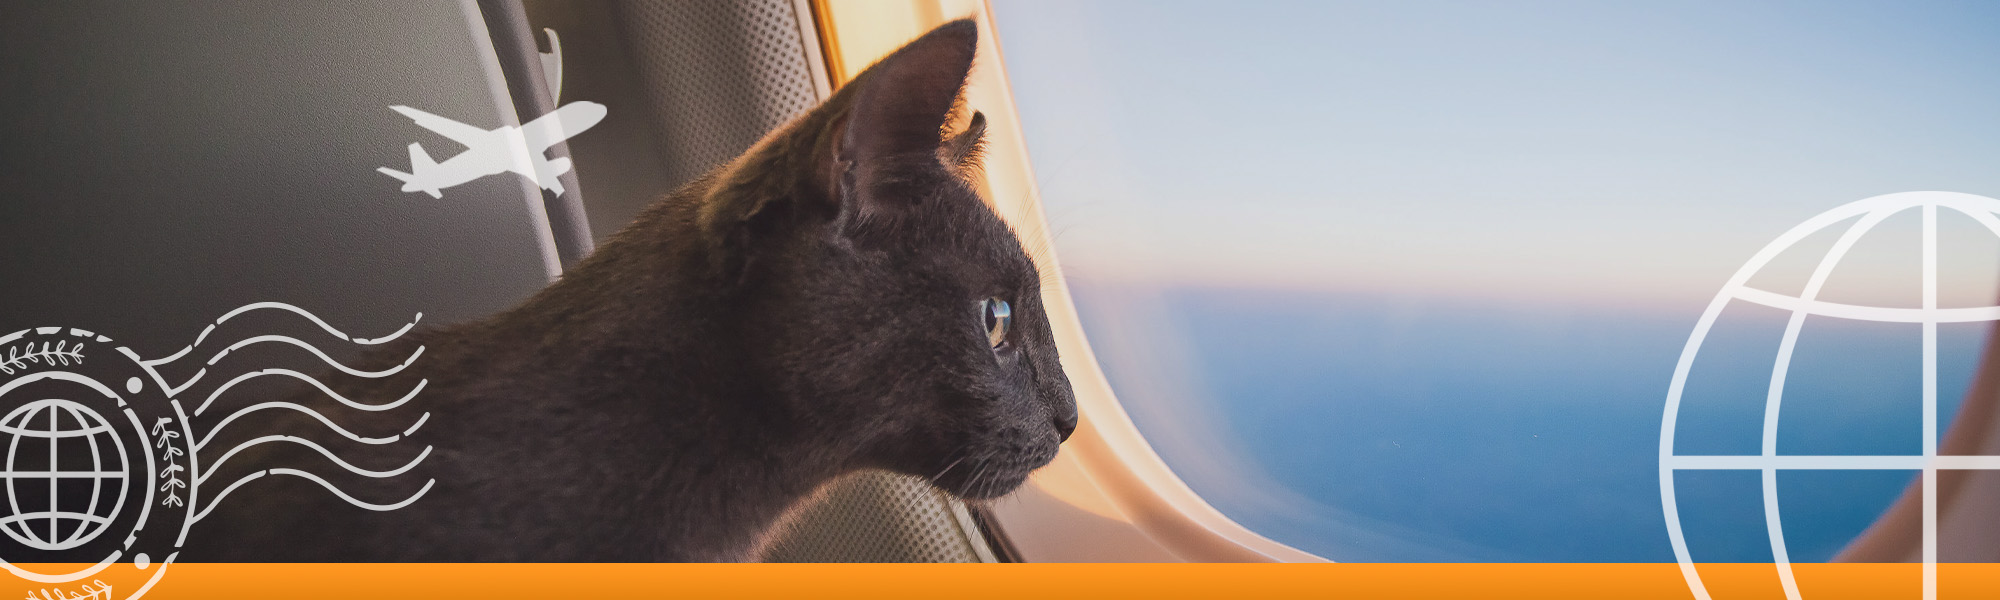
1768,462
55,420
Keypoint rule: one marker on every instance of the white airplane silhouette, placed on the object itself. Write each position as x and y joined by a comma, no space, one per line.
491,152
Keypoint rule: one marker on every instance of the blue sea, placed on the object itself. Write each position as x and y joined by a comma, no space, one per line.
1374,427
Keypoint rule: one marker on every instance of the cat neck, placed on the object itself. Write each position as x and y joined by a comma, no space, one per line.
701,455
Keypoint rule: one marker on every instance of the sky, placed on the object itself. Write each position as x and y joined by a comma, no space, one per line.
1622,151
1407,281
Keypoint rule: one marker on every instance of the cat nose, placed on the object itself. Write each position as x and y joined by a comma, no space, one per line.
1065,425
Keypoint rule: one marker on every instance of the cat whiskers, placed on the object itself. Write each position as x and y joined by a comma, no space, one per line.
986,487
978,484
947,468
973,484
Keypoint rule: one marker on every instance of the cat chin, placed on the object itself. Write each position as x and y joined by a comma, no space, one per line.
976,484
990,488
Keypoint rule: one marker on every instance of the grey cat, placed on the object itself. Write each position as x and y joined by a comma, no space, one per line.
835,299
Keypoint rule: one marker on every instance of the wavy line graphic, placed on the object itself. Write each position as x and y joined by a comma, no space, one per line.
317,353
291,309
296,407
315,479
210,470
315,383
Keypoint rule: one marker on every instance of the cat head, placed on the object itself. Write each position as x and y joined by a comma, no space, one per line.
894,312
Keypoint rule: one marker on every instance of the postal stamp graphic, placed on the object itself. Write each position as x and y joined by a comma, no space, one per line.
104,474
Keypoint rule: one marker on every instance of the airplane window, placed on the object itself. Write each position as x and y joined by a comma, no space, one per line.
1409,281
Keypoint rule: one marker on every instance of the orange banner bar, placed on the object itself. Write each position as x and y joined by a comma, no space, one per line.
1018,581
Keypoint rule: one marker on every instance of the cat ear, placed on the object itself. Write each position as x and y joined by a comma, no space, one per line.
900,109
963,150
905,100
871,147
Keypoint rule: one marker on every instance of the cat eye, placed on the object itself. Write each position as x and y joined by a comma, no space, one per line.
999,316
